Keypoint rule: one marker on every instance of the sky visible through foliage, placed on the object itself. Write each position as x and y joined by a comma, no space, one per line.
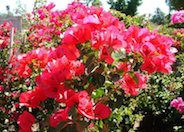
148,6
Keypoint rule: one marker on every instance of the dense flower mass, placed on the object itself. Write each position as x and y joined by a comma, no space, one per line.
84,106
153,47
26,62
177,17
5,29
72,55
32,98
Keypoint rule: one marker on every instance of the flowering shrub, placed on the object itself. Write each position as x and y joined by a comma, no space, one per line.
155,103
73,63
177,17
150,110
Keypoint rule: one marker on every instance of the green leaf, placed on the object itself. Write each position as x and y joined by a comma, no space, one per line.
101,124
73,112
133,76
98,93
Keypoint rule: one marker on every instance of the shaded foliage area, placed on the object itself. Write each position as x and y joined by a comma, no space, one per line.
175,4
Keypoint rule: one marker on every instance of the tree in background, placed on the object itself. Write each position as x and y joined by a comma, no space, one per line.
129,7
97,3
38,4
175,4
159,17
20,8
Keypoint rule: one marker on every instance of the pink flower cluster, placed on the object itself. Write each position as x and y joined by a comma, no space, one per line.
177,17
152,47
24,63
5,29
178,104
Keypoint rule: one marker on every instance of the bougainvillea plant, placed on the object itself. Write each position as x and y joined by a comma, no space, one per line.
72,63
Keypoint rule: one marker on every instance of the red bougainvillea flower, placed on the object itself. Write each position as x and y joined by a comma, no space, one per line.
85,106
32,98
107,41
65,94
71,52
56,72
91,125
48,83
43,11
106,55
87,109
148,65
147,49
77,67
98,39
77,34
164,63
36,58
49,26
124,66
102,111
5,29
154,48
25,121
69,38
58,117
114,38
131,83
176,102
61,69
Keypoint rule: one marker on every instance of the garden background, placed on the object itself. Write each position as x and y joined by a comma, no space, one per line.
87,69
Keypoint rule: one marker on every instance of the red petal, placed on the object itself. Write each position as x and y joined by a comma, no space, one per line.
102,111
